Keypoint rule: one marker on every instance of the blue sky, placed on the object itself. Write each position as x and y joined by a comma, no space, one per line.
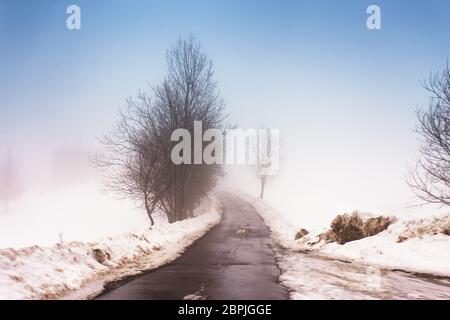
343,96
259,48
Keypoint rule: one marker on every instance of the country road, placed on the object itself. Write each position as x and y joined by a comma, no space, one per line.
232,261
236,260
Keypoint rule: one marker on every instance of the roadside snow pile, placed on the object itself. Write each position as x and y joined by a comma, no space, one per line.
425,226
354,226
410,244
79,270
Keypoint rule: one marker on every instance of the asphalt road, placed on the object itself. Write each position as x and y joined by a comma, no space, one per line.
232,261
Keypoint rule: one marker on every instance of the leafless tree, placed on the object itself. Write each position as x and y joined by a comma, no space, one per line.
263,158
9,181
430,178
132,156
188,94
140,146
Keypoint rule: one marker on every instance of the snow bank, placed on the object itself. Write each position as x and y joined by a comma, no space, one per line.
78,270
412,244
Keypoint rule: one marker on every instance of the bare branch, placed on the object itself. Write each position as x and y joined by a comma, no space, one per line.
430,178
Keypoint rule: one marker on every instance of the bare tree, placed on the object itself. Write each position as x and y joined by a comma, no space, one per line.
430,178
264,157
132,157
140,146
188,94
9,184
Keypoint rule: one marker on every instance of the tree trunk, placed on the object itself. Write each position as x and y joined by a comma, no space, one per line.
149,213
180,197
152,222
263,185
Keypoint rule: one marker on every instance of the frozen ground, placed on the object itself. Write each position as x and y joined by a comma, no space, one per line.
413,244
79,270
79,212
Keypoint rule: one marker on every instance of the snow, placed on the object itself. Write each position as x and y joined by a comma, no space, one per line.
423,249
413,243
79,212
312,276
71,269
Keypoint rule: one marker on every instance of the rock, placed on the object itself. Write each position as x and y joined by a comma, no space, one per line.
101,256
301,233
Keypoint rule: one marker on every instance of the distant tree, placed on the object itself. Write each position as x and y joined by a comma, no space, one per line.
140,147
264,156
9,181
430,178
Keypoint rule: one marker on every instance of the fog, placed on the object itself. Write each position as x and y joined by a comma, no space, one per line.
344,103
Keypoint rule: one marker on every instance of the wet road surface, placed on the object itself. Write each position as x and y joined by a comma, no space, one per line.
233,261
313,277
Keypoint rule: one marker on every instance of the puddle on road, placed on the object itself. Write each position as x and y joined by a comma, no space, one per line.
243,231
195,296
198,295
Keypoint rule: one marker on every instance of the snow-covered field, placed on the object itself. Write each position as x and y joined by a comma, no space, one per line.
79,270
80,212
415,244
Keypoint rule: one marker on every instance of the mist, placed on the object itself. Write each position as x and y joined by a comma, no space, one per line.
344,105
